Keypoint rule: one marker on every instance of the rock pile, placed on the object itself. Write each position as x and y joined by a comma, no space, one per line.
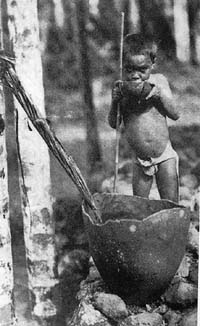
177,306
96,305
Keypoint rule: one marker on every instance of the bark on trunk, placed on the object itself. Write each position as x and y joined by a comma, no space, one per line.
7,313
181,30
34,160
93,147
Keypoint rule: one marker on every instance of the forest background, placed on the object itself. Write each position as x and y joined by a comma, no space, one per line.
69,55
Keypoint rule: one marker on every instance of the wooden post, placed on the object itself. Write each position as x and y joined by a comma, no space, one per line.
35,185
7,313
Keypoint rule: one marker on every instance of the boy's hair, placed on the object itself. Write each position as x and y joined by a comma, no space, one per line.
136,44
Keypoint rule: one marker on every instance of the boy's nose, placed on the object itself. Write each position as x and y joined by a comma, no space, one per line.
135,75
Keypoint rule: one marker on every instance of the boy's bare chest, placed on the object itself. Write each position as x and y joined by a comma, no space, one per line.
133,106
144,111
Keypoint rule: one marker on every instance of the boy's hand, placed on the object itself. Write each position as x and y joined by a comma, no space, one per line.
154,93
116,91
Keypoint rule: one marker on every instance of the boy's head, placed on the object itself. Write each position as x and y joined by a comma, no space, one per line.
138,57
135,44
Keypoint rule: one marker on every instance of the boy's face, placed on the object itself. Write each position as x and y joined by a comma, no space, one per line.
137,68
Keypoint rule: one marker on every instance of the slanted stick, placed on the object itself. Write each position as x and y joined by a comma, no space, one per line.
118,107
10,78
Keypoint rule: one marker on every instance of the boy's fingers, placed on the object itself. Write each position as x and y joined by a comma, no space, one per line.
149,95
117,92
152,92
118,83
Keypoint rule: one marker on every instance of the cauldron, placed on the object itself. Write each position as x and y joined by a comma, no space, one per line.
139,246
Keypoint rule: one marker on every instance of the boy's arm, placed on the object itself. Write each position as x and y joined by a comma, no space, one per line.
116,97
161,92
112,116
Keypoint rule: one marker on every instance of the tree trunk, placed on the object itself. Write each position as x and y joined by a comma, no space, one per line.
59,13
181,30
7,313
131,16
45,8
194,23
168,8
134,16
93,7
34,161
93,146
155,24
197,37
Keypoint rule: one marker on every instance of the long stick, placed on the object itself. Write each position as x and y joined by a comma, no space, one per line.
118,107
9,76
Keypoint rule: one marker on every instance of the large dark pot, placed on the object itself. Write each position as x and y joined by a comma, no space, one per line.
140,244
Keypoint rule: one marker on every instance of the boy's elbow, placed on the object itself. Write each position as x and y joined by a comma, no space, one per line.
176,115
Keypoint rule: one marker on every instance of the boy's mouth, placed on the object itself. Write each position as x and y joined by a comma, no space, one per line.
135,80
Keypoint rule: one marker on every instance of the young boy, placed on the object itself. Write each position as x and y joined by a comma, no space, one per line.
145,101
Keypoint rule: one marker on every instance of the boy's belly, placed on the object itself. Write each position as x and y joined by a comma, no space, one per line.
147,134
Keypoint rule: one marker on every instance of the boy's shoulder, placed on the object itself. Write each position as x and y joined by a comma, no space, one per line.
158,79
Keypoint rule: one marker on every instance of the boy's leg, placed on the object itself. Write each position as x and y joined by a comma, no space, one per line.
141,183
167,180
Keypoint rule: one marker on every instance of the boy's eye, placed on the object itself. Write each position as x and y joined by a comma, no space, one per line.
128,69
143,70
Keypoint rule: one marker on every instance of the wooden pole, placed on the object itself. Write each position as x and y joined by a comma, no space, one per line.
118,108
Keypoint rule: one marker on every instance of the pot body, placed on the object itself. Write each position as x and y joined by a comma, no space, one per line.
139,246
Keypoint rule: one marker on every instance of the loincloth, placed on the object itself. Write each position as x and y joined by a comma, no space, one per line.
150,165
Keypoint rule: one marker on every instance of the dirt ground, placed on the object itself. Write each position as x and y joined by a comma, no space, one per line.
64,111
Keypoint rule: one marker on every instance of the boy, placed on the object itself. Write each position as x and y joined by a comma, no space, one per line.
145,101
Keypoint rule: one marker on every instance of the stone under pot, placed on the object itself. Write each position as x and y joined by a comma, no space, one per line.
139,246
